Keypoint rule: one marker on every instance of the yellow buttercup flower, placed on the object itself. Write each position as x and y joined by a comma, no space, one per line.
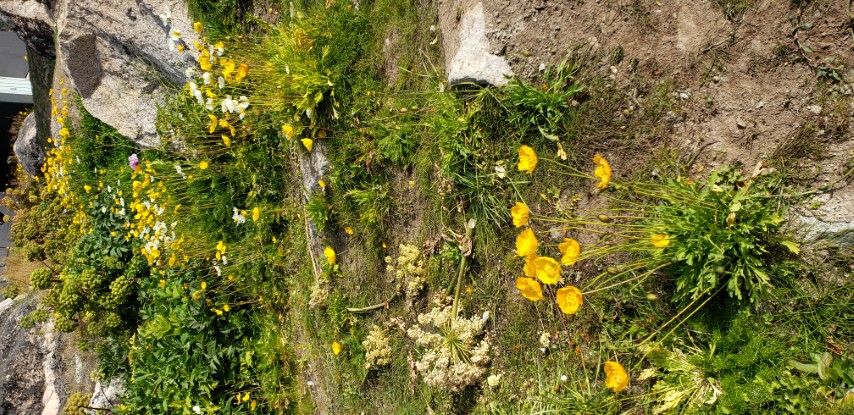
602,172
520,214
228,66
527,159
569,299
226,140
87,188
529,288
571,251
348,230
336,348
203,165
660,240
329,253
526,243
616,377
197,27
308,143
256,214
162,283
226,308
548,269
205,60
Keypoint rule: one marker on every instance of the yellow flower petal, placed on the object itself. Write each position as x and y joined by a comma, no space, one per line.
329,253
602,172
529,269
520,214
526,243
336,348
548,269
348,230
197,27
308,143
203,165
571,251
660,240
616,377
527,159
256,214
288,131
226,140
529,288
569,299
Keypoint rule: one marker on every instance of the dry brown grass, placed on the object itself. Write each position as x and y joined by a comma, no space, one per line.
18,269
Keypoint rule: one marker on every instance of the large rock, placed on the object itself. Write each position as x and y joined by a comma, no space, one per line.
21,375
117,56
467,49
31,20
27,149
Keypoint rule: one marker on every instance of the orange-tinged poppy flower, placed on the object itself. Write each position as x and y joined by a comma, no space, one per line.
529,269
548,269
660,240
526,243
520,214
602,172
571,251
616,377
527,159
569,299
529,288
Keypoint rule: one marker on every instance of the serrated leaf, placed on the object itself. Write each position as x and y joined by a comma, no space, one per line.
793,246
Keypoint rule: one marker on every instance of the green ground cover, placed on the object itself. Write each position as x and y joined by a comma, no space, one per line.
480,254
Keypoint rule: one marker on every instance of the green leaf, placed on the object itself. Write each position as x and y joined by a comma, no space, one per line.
793,246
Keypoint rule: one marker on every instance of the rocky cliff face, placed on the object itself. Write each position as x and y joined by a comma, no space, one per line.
21,357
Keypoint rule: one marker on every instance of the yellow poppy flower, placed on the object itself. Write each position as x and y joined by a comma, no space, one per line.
226,140
162,283
203,165
308,143
569,299
241,73
87,188
205,60
548,269
571,250
329,253
529,288
227,67
214,122
226,308
616,377
602,172
348,230
336,348
529,269
527,159
526,243
204,285
288,131
520,214
660,240
256,214
197,27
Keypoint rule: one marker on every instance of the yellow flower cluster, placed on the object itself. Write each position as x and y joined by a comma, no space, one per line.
59,157
217,72
149,207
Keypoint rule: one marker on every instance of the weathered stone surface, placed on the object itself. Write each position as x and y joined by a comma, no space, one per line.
467,48
21,378
30,155
832,222
31,20
106,397
118,58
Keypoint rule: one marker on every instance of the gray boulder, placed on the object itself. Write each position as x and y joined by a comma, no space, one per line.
31,20
117,56
30,155
467,50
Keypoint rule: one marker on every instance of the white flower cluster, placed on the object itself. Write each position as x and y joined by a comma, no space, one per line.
408,269
455,355
377,349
